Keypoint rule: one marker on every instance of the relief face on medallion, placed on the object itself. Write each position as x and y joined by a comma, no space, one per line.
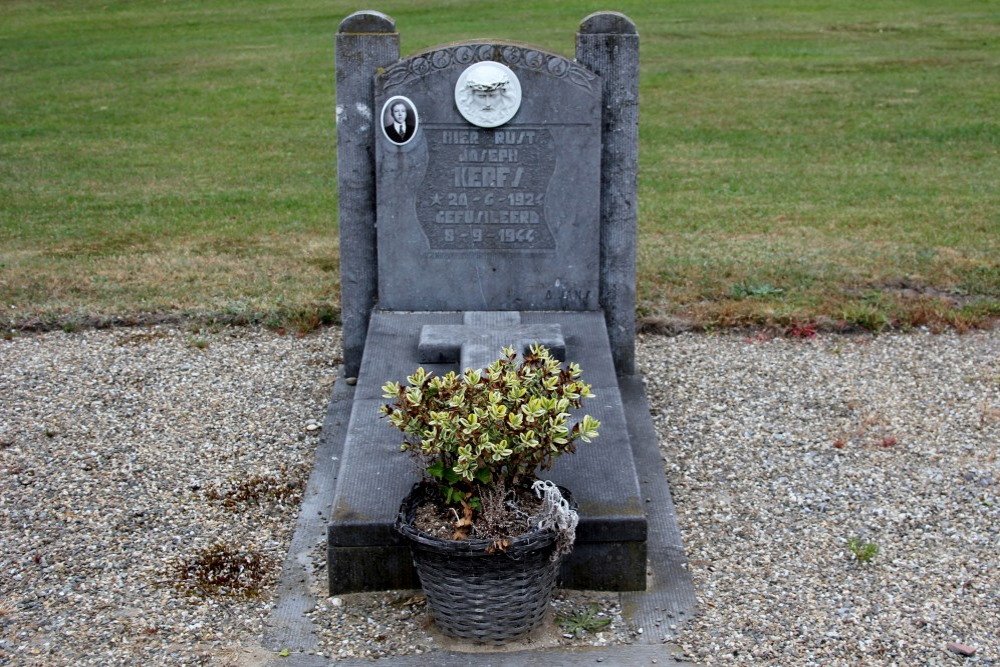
488,94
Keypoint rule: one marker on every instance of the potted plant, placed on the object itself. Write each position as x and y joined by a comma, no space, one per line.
486,534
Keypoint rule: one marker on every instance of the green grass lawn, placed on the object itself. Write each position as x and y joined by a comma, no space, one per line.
799,162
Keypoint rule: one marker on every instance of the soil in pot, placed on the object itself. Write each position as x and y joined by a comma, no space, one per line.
503,514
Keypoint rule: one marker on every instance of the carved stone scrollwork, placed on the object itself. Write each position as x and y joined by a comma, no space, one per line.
512,55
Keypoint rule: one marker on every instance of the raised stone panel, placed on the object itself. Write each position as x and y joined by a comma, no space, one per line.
489,218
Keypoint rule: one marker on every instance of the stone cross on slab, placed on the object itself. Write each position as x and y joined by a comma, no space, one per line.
477,342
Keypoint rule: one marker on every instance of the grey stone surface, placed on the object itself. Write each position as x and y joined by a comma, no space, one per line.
616,656
476,342
505,218
608,44
669,593
374,476
366,41
288,625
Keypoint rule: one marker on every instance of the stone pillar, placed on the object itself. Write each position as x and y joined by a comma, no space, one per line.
608,44
365,42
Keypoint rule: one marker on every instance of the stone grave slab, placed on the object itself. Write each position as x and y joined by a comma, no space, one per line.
365,553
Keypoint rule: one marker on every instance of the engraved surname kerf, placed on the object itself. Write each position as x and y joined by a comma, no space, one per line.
487,177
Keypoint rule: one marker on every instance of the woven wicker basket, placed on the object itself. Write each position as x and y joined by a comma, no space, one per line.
476,592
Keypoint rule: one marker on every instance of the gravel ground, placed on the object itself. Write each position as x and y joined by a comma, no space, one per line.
125,455
780,451
384,624
128,455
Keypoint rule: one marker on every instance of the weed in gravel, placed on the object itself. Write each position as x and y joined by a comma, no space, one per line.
591,619
801,330
862,552
223,569
302,319
988,414
198,343
278,487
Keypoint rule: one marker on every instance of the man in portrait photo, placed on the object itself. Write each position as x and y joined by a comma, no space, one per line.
399,122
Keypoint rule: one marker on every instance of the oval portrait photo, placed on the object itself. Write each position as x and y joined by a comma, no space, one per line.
399,119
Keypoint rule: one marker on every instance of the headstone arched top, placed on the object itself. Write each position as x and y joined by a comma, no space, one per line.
367,22
608,23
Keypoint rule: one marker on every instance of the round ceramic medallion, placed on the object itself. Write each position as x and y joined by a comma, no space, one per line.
488,94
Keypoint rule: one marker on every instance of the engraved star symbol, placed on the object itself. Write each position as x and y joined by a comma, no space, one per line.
436,200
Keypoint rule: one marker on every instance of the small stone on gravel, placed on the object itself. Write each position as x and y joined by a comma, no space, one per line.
961,649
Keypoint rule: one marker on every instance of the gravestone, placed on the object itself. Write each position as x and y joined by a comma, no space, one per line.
487,198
